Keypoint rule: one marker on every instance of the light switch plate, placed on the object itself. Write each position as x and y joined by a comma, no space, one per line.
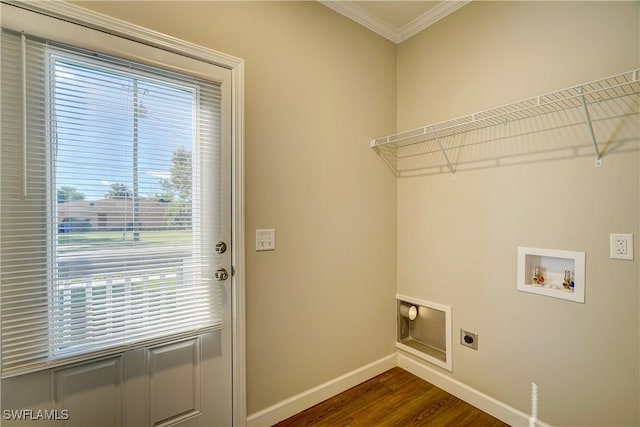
265,240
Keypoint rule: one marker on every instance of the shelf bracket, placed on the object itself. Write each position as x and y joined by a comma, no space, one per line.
590,126
444,153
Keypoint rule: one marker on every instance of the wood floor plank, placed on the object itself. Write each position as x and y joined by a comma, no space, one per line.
393,398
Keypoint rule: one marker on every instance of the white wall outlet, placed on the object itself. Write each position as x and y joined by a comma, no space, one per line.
621,246
266,240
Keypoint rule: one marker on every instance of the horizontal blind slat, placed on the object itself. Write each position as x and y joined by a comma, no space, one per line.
108,248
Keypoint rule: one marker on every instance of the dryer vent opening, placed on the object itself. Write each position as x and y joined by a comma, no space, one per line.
424,330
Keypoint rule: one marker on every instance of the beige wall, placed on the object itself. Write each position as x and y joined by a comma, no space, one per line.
457,239
318,86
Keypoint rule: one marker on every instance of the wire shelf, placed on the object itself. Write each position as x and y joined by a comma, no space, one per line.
584,104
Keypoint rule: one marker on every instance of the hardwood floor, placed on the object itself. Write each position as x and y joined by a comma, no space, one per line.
393,398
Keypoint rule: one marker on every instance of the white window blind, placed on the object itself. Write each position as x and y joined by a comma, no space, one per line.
107,206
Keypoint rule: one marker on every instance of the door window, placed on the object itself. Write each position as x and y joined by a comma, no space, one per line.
106,221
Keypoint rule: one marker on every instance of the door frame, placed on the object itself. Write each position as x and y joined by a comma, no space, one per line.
78,15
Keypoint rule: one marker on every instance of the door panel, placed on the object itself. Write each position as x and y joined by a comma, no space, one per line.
32,392
185,383
77,390
174,382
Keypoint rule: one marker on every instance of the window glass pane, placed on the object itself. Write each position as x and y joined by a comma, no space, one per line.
110,199
122,159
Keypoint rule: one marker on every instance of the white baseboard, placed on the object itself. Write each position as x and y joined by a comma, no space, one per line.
289,407
488,404
298,403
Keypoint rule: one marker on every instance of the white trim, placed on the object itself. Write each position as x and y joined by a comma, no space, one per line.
363,17
238,250
357,13
488,404
298,403
429,18
98,21
124,29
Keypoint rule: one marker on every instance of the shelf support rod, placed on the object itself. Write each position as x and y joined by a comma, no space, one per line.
444,153
590,126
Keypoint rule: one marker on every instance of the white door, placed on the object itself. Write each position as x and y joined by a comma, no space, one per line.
125,211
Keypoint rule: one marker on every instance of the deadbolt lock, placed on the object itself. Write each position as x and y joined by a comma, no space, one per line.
221,247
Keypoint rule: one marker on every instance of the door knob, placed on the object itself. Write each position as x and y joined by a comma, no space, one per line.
221,274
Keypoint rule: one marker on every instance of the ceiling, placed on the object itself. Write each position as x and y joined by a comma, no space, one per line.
395,20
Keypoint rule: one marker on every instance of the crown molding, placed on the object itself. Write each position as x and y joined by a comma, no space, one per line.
356,13
429,18
353,11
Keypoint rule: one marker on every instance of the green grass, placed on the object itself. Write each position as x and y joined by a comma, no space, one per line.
116,239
